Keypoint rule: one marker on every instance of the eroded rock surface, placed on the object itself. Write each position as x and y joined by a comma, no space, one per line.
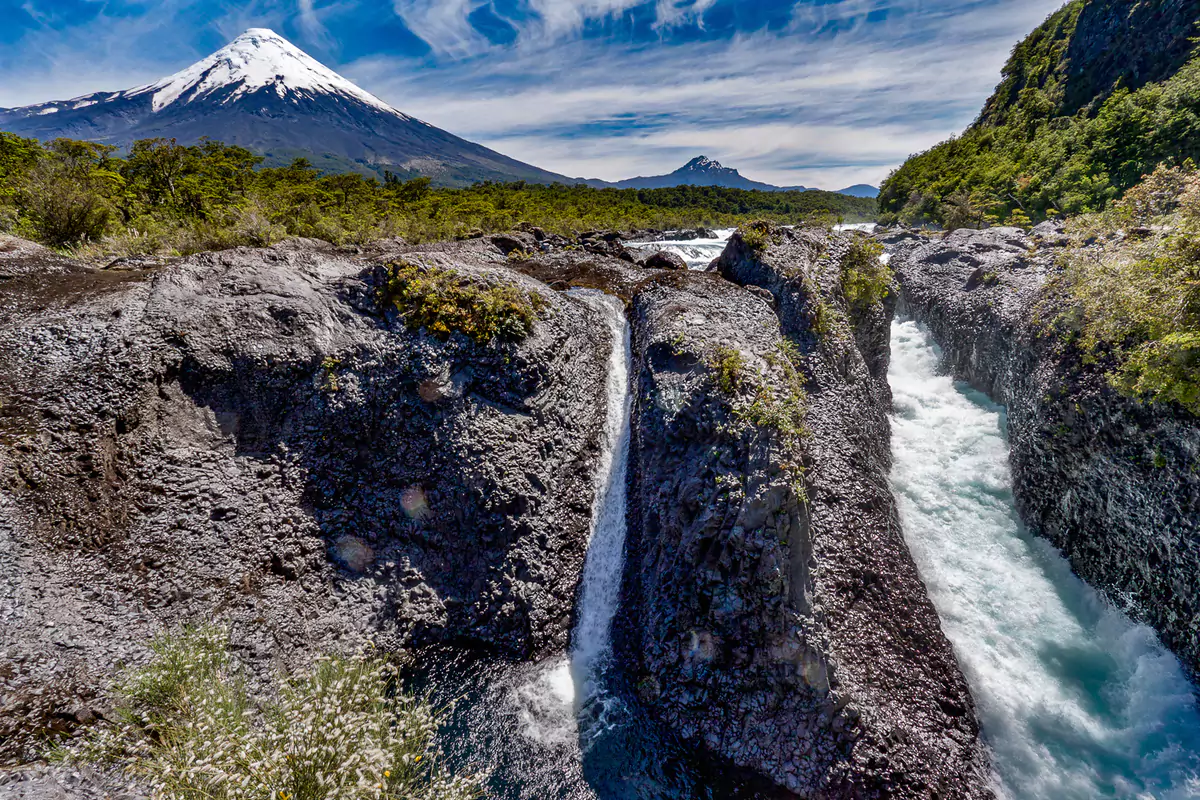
255,436
775,616
1110,481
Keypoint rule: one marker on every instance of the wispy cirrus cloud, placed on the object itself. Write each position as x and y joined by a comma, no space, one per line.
814,92
839,94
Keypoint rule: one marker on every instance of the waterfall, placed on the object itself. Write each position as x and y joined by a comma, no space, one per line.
601,585
1075,700
554,696
698,253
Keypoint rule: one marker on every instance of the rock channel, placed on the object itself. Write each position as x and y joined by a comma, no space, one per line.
1110,481
256,436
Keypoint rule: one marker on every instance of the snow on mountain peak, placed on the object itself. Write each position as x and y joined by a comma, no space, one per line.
702,164
258,59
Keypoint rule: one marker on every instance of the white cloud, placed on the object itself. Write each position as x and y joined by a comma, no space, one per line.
829,100
784,107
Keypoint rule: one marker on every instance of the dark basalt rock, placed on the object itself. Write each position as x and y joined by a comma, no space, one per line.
664,259
253,436
1110,481
774,616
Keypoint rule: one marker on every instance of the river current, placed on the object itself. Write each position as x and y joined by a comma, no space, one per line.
1075,700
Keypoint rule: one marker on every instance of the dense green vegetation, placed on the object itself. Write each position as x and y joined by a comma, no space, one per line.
1065,133
442,302
866,279
189,724
162,197
1133,302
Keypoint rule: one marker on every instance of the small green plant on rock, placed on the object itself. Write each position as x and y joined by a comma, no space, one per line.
781,409
444,302
729,366
188,725
866,280
329,367
758,236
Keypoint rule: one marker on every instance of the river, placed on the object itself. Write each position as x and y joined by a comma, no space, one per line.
1075,700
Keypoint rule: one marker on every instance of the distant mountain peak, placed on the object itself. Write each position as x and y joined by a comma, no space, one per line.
263,93
704,171
706,164
258,59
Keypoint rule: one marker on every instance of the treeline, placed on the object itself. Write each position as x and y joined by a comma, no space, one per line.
1039,150
162,197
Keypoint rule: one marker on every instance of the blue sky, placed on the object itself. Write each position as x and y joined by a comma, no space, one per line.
817,92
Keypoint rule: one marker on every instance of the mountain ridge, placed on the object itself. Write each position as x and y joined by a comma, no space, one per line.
704,171
265,94
1092,100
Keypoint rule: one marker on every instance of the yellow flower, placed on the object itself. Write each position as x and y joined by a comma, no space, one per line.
418,761
387,773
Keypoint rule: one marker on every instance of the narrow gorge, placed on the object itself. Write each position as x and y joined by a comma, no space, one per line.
722,532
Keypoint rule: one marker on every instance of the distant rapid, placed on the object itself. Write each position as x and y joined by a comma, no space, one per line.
698,253
1076,701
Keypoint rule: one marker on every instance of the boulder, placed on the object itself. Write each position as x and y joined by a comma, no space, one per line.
257,437
514,243
774,616
664,259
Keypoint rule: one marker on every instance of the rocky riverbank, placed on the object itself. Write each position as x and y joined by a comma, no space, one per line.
775,616
255,436
1110,481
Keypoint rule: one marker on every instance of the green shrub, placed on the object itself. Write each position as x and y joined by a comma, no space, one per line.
866,280
729,367
758,235
443,302
189,727
1137,301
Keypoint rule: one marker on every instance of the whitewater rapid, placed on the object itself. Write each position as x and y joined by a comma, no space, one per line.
698,253
1075,700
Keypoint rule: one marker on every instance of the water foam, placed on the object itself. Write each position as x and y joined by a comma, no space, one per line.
601,588
698,253
1075,700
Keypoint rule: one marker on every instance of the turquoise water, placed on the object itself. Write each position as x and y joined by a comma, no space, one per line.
1075,700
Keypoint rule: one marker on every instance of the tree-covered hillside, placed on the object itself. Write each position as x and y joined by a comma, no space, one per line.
1095,98
162,197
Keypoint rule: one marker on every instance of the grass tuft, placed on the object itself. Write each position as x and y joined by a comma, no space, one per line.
188,726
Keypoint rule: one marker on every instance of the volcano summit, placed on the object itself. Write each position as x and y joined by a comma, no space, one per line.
267,95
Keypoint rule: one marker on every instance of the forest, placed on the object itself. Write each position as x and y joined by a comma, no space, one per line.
1062,135
161,197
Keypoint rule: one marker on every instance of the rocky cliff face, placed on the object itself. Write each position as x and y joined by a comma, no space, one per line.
1110,481
774,615
255,436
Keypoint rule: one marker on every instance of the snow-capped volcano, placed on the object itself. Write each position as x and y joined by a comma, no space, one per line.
262,92
258,59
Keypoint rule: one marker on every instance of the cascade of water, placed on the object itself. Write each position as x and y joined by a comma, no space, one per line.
698,253
601,586
1075,700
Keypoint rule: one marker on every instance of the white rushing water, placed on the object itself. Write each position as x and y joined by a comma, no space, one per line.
601,590
698,253
550,698
1075,700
